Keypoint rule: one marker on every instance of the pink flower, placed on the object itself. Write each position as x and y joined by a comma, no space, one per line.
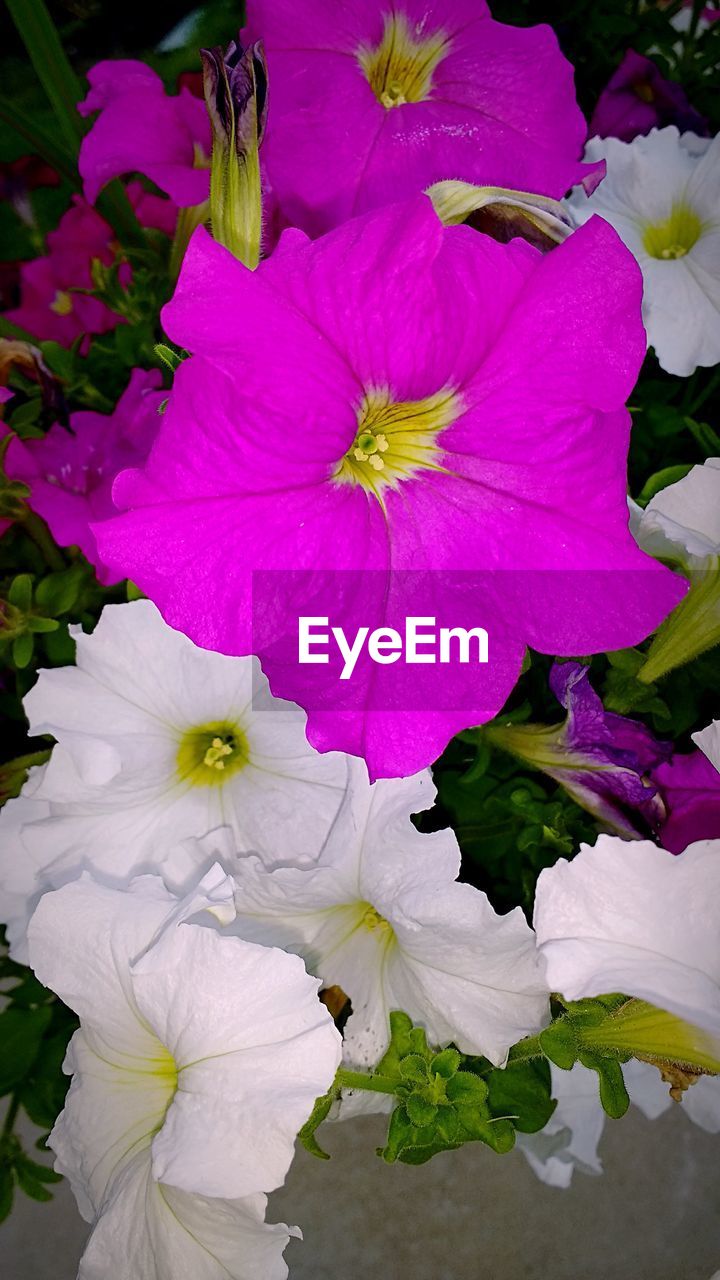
50,306
71,473
639,98
690,788
142,129
373,103
432,420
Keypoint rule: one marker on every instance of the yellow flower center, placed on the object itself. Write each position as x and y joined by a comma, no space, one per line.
62,303
372,920
674,237
400,68
396,439
209,754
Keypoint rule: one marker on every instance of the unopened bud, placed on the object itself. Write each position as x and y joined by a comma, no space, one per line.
235,85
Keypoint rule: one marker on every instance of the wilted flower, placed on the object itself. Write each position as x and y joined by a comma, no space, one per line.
70,473
381,915
487,384
661,194
638,98
603,760
197,1060
371,105
236,97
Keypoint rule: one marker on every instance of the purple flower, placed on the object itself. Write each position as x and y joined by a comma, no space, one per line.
398,419
373,103
50,305
71,473
690,788
638,98
142,129
603,760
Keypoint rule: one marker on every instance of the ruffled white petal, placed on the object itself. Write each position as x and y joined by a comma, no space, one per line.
628,916
148,1231
708,741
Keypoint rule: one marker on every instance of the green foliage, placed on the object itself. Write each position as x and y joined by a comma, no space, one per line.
35,1028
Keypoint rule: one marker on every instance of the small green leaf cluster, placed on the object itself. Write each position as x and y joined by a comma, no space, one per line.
440,1105
32,608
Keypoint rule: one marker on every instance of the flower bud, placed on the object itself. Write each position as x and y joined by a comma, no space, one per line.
501,213
236,95
692,628
655,1036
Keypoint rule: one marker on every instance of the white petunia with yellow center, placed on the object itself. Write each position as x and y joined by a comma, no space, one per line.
381,915
197,1060
159,741
662,196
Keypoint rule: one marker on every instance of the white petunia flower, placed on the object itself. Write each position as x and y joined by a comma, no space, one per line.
708,741
198,1058
682,522
159,741
628,916
662,196
381,916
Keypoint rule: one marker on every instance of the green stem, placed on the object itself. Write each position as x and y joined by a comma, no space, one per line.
360,1080
41,143
10,1117
40,534
712,384
47,55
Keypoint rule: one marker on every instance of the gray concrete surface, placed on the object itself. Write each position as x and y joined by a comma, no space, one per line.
467,1215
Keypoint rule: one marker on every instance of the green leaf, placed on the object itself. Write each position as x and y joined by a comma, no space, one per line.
20,593
559,1044
415,1068
446,1063
613,1093
58,592
53,69
420,1110
30,1185
40,1172
320,1112
40,626
22,650
466,1089
523,1090
661,479
21,1031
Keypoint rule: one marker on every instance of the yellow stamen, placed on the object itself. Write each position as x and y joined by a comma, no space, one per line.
396,439
62,303
210,753
674,237
400,69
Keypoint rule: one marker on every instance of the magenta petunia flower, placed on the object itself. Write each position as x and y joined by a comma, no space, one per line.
142,129
690,788
50,306
71,473
397,420
638,98
371,103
